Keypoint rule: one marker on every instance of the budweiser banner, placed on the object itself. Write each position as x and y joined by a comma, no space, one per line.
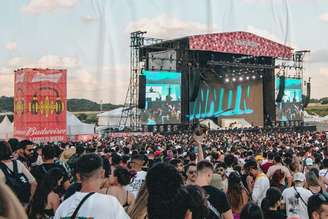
40,105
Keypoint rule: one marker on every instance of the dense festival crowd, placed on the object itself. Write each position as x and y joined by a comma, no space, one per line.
228,175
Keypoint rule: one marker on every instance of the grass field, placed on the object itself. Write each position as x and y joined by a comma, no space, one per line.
317,109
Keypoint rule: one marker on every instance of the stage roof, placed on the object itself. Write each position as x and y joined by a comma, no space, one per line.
239,43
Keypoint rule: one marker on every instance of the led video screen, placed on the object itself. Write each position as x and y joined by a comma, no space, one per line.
290,108
243,100
163,98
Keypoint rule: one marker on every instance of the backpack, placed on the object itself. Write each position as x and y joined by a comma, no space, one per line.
18,182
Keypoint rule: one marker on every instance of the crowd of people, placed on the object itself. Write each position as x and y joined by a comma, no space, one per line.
228,175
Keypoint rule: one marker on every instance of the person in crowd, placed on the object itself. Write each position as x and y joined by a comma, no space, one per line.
268,163
323,173
271,204
221,171
138,210
278,165
312,182
168,198
92,204
318,206
277,179
191,173
230,161
47,196
261,183
48,157
24,186
10,207
24,152
296,197
237,194
178,164
251,211
218,203
137,163
307,164
120,178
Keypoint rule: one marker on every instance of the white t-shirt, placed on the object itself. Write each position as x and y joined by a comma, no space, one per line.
137,182
97,206
20,168
292,202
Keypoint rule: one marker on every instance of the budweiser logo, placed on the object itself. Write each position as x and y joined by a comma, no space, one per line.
32,131
38,77
20,78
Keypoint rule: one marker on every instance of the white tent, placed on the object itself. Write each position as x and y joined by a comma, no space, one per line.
76,127
6,129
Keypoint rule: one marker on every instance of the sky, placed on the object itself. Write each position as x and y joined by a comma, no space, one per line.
90,38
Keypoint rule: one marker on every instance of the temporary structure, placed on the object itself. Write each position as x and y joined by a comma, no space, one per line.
76,127
6,129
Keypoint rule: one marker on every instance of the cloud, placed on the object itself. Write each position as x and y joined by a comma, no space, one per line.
44,6
269,35
88,19
11,46
324,17
319,56
167,27
53,61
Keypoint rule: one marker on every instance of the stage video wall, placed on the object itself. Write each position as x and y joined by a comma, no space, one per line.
243,100
290,108
163,98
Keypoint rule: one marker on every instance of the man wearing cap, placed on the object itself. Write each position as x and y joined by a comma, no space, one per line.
318,206
296,197
137,162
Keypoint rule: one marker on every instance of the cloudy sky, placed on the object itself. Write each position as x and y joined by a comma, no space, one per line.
90,37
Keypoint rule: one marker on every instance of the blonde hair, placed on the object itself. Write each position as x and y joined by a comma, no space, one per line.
138,210
10,207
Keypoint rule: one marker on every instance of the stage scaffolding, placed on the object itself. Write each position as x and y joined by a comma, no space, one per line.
130,116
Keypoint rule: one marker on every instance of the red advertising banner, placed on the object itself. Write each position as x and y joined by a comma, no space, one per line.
40,105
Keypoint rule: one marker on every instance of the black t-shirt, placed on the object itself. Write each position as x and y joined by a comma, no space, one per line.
75,187
275,214
40,171
218,200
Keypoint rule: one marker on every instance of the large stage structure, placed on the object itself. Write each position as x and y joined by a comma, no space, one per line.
236,75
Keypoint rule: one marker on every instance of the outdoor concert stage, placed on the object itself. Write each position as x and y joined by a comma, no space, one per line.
220,76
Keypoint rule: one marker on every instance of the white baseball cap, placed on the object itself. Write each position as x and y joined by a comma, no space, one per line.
299,177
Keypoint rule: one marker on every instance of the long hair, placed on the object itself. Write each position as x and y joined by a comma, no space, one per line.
138,209
48,184
273,195
235,191
9,204
277,176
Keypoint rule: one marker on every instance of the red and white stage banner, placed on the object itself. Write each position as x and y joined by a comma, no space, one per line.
40,105
239,43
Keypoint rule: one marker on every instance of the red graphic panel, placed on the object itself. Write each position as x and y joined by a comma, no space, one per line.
239,43
40,105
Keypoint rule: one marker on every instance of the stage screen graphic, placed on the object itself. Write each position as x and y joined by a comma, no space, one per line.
163,98
290,108
242,100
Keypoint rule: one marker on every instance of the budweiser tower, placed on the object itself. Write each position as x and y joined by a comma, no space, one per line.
40,105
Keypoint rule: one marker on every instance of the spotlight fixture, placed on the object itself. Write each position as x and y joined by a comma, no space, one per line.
261,76
253,77
233,79
247,78
227,80
241,78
